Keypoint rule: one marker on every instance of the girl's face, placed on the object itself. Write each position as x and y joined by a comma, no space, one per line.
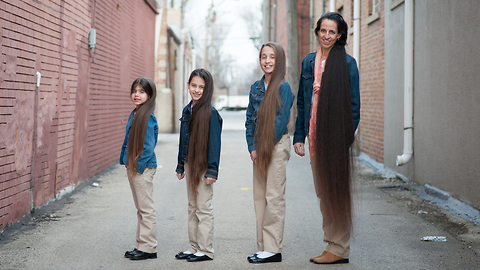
267,60
139,96
195,87
328,34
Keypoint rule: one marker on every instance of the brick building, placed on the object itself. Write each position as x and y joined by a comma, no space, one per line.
420,93
71,126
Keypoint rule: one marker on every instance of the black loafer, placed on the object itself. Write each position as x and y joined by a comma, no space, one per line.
251,257
193,258
129,253
275,258
140,255
182,256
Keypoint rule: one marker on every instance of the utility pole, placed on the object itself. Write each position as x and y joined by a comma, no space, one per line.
293,53
205,50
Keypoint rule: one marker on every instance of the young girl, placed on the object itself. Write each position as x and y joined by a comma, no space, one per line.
198,157
268,114
139,157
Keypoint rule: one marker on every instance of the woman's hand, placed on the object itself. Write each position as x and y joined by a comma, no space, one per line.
210,181
180,175
299,148
253,156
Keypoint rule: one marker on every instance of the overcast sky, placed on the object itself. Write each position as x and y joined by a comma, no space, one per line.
229,12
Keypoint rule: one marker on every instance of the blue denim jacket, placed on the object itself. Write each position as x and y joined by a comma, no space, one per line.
147,158
257,92
305,91
214,141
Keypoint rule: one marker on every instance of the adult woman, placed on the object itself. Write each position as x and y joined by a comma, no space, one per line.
268,142
329,119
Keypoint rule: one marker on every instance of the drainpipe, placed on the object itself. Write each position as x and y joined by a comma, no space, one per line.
356,31
408,87
332,5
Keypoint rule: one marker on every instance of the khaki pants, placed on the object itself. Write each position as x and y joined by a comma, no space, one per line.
142,189
269,199
200,217
338,241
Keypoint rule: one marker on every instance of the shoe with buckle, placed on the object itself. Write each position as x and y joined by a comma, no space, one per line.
140,255
275,258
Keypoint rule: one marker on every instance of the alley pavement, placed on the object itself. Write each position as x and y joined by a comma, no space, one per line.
92,227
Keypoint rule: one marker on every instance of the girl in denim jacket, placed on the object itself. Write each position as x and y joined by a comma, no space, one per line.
139,157
268,114
198,159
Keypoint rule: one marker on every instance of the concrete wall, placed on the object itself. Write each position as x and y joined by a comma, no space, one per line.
71,127
394,73
447,97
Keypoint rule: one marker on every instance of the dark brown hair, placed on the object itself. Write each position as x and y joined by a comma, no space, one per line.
140,122
199,128
265,134
334,133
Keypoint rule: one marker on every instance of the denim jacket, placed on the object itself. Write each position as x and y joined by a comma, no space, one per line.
305,91
147,158
257,92
214,141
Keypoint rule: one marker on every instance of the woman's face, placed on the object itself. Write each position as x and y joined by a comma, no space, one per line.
196,87
328,34
267,59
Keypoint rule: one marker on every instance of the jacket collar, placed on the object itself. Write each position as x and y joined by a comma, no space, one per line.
261,84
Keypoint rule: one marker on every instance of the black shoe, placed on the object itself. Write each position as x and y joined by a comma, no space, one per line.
182,256
251,257
275,258
129,253
140,255
193,258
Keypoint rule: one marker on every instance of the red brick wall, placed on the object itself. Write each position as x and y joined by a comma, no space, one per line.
371,68
372,84
72,126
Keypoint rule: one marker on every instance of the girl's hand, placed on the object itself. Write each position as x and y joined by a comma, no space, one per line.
180,175
253,156
299,148
210,181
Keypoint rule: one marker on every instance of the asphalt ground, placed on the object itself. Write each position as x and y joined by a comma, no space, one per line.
92,227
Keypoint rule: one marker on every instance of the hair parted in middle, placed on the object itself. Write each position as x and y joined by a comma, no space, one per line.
334,131
265,134
140,122
199,128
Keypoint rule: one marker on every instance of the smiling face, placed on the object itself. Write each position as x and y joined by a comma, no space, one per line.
196,87
267,60
328,34
139,96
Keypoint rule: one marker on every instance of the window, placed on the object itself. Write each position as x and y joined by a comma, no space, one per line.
375,6
373,11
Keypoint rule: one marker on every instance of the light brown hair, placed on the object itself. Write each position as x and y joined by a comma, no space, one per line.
265,134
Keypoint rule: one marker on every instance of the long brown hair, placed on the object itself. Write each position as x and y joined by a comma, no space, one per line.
265,134
334,133
140,122
199,128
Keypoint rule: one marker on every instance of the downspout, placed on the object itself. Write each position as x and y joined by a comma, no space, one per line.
266,22
356,31
332,5
408,86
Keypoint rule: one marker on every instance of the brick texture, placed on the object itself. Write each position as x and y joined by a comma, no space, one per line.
72,126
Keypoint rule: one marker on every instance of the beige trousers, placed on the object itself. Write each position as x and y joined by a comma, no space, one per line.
200,217
269,198
142,189
338,241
